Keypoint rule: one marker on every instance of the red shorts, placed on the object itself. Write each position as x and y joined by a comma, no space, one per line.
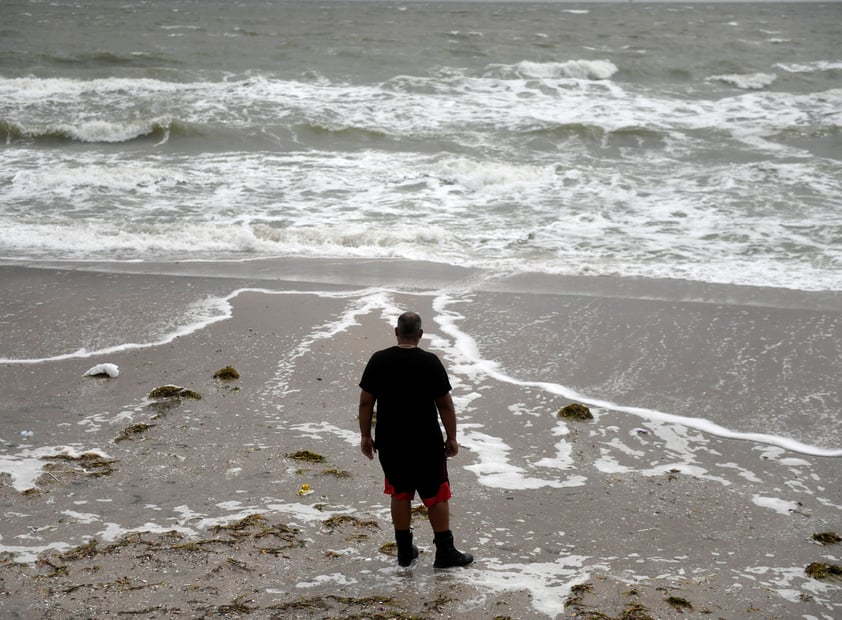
442,495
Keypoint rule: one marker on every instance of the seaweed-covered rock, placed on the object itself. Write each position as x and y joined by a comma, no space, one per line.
678,603
822,571
132,431
173,391
229,373
827,538
575,411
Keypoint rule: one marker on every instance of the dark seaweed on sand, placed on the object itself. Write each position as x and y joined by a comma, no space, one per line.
823,571
306,456
575,411
173,391
229,373
827,538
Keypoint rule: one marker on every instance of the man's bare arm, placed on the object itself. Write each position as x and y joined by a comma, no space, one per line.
366,415
447,413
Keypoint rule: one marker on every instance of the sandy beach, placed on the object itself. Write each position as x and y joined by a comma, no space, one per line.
115,503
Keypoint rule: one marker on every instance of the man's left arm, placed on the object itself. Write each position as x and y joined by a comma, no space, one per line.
366,415
447,413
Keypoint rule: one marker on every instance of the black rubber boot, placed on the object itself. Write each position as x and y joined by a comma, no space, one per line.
406,550
446,554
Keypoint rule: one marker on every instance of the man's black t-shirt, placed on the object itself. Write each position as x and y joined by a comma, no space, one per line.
406,383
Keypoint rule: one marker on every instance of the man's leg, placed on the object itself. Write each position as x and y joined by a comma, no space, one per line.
439,514
402,519
446,553
401,513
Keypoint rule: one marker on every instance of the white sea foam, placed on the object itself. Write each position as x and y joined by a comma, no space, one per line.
30,554
810,67
781,506
549,583
28,464
114,531
317,430
751,81
493,468
578,69
334,578
82,517
306,513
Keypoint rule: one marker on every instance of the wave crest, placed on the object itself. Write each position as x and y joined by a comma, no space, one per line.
96,131
750,81
571,69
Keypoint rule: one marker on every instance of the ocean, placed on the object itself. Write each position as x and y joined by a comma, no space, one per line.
698,142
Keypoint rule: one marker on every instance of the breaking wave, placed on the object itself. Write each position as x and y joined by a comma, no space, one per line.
97,131
750,81
571,69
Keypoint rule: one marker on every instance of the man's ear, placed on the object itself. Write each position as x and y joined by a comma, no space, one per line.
397,335
420,334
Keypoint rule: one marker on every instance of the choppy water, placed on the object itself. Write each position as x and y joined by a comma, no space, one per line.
699,142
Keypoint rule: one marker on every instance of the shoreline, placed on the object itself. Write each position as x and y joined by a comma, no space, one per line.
565,518
407,274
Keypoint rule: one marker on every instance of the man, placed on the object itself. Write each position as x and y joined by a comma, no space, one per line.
412,391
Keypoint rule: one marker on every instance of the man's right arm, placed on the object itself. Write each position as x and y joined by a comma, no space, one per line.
447,413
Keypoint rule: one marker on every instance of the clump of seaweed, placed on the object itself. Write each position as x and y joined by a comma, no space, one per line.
90,463
338,473
256,526
827,538
389,548
238,606
306,455
238,527
575,411
132,431
577,594
87,550
823,571
57,570
331,605
337,521
229,373
678,603
636,611
173,391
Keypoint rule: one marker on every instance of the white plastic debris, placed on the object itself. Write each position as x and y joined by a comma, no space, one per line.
109,370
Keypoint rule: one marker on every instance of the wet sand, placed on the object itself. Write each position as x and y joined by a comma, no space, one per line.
191,507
